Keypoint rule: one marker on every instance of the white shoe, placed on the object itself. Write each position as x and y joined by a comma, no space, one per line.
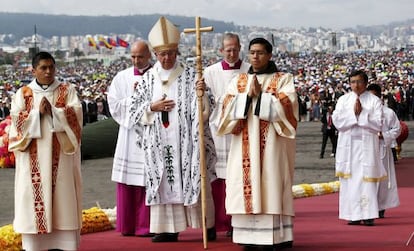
332,154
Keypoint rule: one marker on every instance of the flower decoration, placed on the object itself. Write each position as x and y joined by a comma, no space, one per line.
307,190
97,219
6,158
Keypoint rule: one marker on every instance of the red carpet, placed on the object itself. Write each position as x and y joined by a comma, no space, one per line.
317,227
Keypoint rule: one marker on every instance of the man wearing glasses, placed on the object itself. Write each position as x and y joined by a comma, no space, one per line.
260,112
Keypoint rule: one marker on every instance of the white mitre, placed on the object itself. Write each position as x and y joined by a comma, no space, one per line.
164,35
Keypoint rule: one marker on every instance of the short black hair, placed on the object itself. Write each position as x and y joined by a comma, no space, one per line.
42,55
268,46
376,88
359,73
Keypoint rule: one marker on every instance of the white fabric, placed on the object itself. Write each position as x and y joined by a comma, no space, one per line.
172,154
218,80
266,174
128,163
388,190
44,201
174,218
262,229
65,240
365,127
357,156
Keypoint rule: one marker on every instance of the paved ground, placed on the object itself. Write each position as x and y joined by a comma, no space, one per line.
98,188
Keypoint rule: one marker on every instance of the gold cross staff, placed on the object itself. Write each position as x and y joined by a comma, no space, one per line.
200,94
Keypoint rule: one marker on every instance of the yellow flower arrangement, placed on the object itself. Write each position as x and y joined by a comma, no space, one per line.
307,190
9,240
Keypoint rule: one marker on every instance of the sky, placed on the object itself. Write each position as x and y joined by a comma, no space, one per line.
334,14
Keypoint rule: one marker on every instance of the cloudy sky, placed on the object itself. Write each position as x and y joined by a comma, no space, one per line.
334,14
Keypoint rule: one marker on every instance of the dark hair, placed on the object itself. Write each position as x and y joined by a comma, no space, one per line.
358,73
376,88
42,55
262,41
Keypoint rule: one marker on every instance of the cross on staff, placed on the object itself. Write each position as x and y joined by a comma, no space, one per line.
200,94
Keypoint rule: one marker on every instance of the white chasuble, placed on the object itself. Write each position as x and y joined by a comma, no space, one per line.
47,151
262,154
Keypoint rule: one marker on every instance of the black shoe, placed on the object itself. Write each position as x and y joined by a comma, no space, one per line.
211,234
354,222
146,235
250,247
165,237
283,245
369,222
321,156
381,213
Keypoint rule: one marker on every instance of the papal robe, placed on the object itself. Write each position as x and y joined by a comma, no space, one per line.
261,160
128,164
358,163
48,177
388,190
172,153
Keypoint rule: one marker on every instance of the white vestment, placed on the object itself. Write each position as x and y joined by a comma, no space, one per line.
261,160
388,191
48,200
172,154
128,166
217,80
358,163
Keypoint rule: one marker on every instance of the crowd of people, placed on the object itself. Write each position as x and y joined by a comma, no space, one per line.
250,112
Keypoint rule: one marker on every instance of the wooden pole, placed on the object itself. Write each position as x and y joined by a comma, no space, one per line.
200,94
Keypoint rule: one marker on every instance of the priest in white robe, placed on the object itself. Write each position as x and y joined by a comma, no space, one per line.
45,137
217,77
260,112
388,190
164,110
132,215
358,118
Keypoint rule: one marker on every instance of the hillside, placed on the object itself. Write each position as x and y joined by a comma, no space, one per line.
22,24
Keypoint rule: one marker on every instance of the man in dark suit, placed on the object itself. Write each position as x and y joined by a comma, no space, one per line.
4,110
328,130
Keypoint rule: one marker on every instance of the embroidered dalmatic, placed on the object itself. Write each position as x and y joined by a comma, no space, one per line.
217,78
358,162
47,150
261,160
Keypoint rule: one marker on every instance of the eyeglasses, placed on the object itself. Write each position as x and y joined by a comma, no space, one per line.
259,53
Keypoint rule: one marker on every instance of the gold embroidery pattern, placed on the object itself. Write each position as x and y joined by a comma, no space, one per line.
264,130
242,127
288,108
247,183
73,122
62,94
39,205
55,161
